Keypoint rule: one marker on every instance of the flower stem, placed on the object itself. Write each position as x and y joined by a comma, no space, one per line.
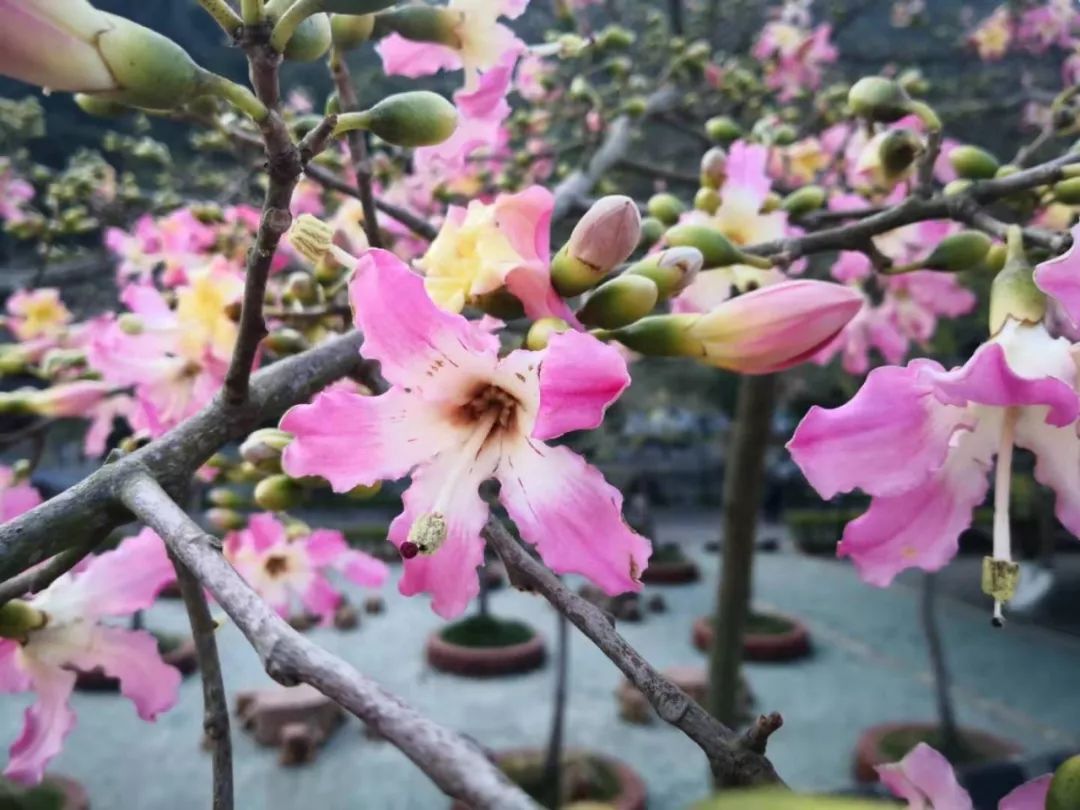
288,23
347,122
223,15
252,11
236,94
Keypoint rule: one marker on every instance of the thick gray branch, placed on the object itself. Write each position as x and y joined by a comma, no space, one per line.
732,763
456,765
90,507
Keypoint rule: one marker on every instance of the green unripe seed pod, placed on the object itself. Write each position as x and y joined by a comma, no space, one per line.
619,302
707,200
1068,191
959,252
973,163
716,249
310,41
722,129
665,207
351,30
804,200
1064,792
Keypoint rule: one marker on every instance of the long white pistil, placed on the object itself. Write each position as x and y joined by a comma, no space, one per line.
466,456
1002,489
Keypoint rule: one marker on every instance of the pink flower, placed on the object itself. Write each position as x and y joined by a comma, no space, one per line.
116,583
456,415
1060,278
795,57
920,440
483,42
178,241
483,248
15,497
1049,24
14,191
284,569
37,314
994,35
925,779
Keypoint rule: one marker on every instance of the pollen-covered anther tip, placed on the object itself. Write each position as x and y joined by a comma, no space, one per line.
428,533
311,237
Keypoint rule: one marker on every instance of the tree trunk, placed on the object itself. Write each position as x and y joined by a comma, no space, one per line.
552,780
743,490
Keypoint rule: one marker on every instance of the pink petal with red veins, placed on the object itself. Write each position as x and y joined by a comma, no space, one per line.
449,574
132,657
887,439
924,778
579,378
418,345
352,440
572,515
1060,278
920,527
403,57
1029,796
45,725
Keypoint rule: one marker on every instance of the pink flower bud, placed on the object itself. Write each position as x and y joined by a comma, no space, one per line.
70,399
607,234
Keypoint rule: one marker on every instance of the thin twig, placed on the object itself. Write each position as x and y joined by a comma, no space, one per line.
42,576
215,704
659,172
730,761
356,142
456,765
328,179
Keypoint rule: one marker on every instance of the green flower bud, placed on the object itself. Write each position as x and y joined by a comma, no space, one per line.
619,302
151,70
716,249
876,98
714,168
956,187
707,200
897,151
1013,293
722,129
421,23
278,493
1006,170
665,207
286,341
351,30
771,203
671,270
973,163
913,82
415,118
1068,191
18,619
615,37
959,252
1064,793
265,446
651,231
500,303
602,239
635,107
310,41
225,520
804,200
995,257
100,107
662,336
784,135
226,498
539,334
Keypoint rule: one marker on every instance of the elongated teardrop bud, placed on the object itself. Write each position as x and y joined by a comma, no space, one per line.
603,239
671,270
716,249
621,301
415,118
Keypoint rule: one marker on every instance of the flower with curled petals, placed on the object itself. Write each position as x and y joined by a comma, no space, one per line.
456,415
65,633
926,781
285,569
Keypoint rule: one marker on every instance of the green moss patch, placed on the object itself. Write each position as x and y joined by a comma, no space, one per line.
584,778
487,631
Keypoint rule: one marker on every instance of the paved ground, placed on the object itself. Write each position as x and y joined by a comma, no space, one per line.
869,666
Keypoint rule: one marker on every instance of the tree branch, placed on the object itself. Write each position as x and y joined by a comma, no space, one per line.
327,179
732,763
90,508
215,705
456,765
357,146
42,576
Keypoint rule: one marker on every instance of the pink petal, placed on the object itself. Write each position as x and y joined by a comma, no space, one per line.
45,724
1060,278
264,531
746,171
1057,462
579,378
449,574
324,546
887,439
352,440
115,583
403,57
525,220
532,287
321,599
924,777
14,500
920,527
572,515
13,675
363,569
417,344
132,657
1029,796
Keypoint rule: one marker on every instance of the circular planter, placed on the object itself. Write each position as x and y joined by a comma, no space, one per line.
675,572
60,792
627,789
459,648
782,644
873,746
182,656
